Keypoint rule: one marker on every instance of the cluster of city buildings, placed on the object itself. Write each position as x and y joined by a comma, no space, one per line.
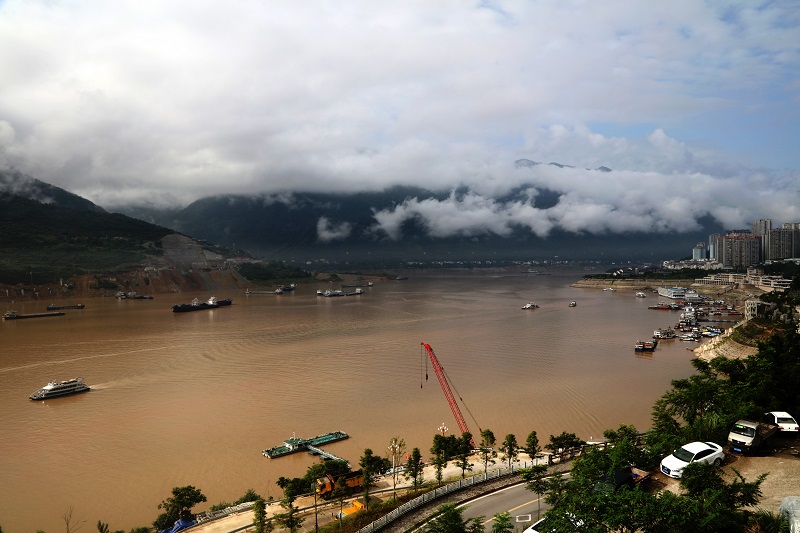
739,250
746,247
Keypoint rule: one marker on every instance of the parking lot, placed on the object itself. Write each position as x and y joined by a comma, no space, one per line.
783,466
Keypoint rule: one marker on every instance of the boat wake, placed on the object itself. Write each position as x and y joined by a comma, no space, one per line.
84,358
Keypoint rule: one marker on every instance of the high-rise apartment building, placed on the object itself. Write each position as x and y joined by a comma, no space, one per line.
714,246
763,228
741,250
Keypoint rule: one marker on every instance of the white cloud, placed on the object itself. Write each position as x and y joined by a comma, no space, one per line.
327,231
167,102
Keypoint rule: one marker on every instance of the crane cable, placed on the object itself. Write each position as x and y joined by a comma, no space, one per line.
453,386
450,381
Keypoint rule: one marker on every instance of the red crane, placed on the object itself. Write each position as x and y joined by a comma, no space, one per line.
462,424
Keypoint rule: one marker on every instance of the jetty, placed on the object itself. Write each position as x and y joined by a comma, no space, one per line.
297,444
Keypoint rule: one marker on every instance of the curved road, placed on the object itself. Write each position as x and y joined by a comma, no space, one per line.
522,504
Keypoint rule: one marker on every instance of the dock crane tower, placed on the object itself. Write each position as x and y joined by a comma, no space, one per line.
448,393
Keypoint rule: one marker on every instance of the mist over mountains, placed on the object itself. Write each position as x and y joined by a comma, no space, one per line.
400,224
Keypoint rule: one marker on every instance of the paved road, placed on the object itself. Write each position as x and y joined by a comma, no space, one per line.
523,505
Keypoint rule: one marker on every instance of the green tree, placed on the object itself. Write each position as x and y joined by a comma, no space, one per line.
532,447
565,441
290,519
249,496
486,450
260,521
414,469
510,448
462,455
178,506
450,519
397,448
502,523
370,464
439,461
536,482
340,491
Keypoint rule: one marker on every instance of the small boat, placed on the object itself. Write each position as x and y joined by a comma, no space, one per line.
667,333
328,293
640,294
197,305
55,389
530,305
573,303
660,306
13,315
609,289
645,346
54,307
356,292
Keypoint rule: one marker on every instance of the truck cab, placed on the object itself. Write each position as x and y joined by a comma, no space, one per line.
747,435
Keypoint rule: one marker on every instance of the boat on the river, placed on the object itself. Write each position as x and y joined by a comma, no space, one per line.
667,333
330,293
573,303
197,305
640,294
54,307
55,389
660,306
13,315
645,346
530,305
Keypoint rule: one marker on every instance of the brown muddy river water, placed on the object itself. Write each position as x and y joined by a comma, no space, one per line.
193,398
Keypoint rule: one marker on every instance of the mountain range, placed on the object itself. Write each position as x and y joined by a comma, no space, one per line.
307,227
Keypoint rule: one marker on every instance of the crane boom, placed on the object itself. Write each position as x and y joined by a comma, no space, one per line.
462,424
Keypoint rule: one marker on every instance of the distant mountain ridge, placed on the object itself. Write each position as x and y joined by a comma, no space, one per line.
16,183
307,227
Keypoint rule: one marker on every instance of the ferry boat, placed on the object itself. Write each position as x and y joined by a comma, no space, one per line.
55,389
530,305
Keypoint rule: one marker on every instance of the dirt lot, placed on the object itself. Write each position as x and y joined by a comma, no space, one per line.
782,464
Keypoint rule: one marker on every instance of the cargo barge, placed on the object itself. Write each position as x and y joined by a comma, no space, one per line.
13,315
297,444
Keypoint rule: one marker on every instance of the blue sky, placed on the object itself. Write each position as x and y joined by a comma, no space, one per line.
165,102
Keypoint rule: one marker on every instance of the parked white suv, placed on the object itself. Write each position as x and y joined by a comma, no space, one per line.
706,452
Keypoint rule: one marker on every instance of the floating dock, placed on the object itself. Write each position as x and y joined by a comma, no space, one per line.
297,444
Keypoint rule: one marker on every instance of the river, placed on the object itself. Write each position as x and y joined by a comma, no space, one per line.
192,398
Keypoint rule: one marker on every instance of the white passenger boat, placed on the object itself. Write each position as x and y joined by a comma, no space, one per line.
55,389
530,305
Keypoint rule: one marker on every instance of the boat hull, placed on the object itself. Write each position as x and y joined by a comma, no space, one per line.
58,394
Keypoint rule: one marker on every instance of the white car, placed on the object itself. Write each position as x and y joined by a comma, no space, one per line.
782,419
706,452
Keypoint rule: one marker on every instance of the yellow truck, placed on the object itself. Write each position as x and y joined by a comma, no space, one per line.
326,485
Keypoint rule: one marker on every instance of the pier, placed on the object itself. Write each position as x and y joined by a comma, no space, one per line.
297,444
